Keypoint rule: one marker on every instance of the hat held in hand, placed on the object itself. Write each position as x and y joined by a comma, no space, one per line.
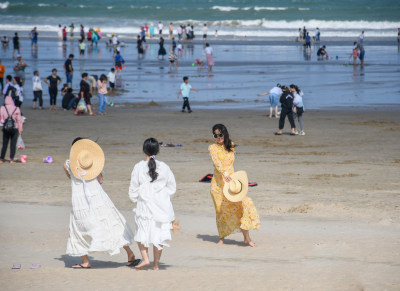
86,159
237,188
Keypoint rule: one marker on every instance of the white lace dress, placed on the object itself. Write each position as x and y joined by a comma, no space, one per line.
95,225
154,212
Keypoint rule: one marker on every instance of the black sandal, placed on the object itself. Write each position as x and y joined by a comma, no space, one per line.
133,263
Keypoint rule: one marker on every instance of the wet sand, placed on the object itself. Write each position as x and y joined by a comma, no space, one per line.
329,201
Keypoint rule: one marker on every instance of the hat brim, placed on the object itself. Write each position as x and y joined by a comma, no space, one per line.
98,159
241,176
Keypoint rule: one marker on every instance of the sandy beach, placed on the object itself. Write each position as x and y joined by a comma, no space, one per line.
329,201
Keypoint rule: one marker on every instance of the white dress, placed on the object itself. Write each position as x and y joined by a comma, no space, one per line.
95,225
154,212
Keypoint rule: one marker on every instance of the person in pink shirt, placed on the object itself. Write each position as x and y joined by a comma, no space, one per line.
101,92
10,135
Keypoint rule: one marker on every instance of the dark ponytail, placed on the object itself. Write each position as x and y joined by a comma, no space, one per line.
151,148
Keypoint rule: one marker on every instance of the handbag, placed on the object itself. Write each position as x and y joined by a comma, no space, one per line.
82,105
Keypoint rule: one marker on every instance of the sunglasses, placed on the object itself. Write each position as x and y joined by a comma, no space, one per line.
218,135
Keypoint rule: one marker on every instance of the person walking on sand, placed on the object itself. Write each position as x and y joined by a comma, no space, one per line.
54,82
161,50
37,90
10,117
234,210
209,55
185,91
151,187
69,70
82,48
95,224
286,100
84,93
273,95
102,92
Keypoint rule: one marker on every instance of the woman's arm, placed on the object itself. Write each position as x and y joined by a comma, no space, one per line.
218,164
263,94
171,184
66,171
134,186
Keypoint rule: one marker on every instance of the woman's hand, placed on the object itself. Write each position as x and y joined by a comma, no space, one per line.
228,179
100,178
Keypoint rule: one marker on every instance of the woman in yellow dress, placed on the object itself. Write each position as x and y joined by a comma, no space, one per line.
231,216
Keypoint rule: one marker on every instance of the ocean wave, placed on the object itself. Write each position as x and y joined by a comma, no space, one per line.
270,8
109,7
225,8
303,9
43,5
4,5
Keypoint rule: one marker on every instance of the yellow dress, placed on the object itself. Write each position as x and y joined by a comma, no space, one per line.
231,216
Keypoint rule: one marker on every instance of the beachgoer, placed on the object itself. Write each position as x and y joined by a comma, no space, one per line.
161,50
173,44
298,107
55,81
82,48
37,90
139,47
362,54
115,42
84,93
95,225
69,70
173,61
8,85
102,92
192,32
230,216
92,80
188,35
151,187
179,31
300,35
64,33
82,33
171,31
111,79
355,53
160,28
317,35
34,37
143,34
19,69
307,42
273,95
71,30
69,99
185,91
205,32
119,61
19,97
16,44
2,71
59,32
216,34
5,41
286,100
322,53
362,37
179,48
11,129
209,55
151,30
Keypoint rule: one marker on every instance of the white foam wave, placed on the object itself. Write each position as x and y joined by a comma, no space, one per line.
82,6
109,7
43,5
303,9
4,5
225,8
270,8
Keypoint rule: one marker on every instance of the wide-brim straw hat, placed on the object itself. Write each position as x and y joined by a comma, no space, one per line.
236,189
86,159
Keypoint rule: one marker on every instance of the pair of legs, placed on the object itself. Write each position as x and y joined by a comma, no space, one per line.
86,263
53,98
271,108
289,114
102,103
300,119
246,238
145,257
37,96
175,63
186,104
16,49
12,138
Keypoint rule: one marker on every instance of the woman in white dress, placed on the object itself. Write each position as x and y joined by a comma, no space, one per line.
96,225
151,188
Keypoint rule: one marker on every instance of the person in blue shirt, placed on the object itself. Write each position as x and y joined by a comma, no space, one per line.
119,61
185,91
307,42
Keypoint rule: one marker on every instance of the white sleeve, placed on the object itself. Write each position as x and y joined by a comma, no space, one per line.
171,183
134,186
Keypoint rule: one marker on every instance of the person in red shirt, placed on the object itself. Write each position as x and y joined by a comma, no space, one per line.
2,71
64,33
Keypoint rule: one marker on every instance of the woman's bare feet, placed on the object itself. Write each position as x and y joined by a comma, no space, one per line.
250,243
221,241
155,268
142,265
246,238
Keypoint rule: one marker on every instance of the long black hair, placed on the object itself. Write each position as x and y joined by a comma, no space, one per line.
227,141
151,148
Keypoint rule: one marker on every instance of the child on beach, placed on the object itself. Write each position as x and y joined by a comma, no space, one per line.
37,90
355,55
95,224
185,91
82,48
119,61
111,79
152,185
200,64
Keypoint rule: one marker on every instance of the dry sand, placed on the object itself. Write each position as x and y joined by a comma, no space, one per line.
329,202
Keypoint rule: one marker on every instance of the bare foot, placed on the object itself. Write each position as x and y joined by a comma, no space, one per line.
221,241
142,265
250,243
155,268
12,162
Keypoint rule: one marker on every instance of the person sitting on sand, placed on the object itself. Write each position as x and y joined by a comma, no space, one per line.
274,95
95,224
152,185
240,214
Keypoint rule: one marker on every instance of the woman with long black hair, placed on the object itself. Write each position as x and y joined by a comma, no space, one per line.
231,216
152,185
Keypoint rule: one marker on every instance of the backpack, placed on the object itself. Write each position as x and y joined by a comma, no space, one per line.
9,123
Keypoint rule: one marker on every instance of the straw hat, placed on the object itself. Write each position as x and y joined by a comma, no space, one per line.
86,159
236,189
